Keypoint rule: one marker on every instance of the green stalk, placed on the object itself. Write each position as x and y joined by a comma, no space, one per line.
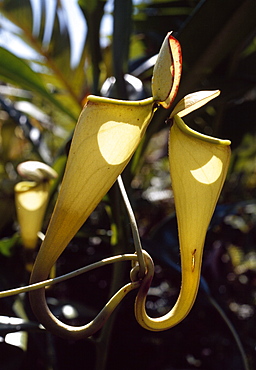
120,245
135,231
121,43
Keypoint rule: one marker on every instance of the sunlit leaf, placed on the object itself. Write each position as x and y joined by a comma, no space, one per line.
46,31
16,71
18,12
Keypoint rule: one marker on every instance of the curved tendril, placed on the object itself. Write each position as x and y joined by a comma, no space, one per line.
59,279
67,331
59,328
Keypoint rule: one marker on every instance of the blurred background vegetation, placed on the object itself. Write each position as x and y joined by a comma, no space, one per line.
52,55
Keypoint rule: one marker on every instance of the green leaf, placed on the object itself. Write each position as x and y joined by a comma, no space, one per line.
52,42
18,10
89,6
18,72
7,244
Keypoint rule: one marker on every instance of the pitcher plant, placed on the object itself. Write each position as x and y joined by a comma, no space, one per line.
107,134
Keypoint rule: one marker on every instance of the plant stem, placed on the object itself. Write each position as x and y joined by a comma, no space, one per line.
120,244
233,331
135,231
